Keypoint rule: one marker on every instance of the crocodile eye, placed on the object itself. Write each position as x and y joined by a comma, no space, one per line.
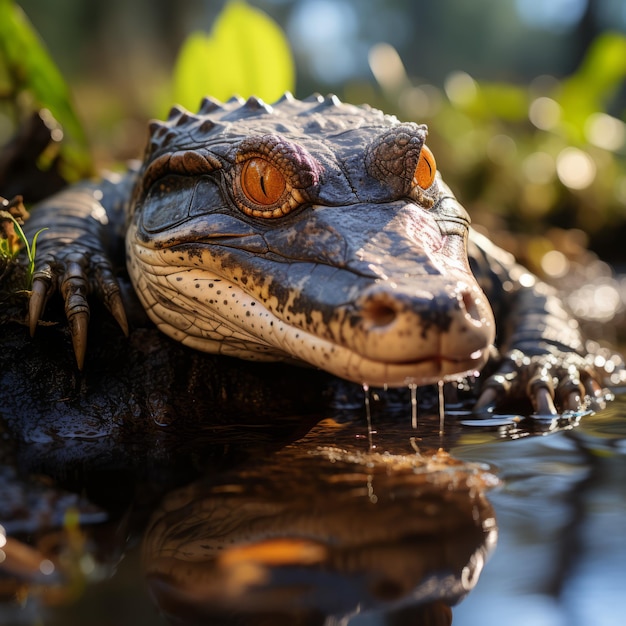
425,170
261,182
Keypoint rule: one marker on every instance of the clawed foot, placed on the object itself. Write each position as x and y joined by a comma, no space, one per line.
76,272
554,382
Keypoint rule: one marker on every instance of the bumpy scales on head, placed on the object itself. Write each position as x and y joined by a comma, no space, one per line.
308,230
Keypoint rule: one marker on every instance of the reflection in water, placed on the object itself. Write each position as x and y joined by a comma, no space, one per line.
327,531
48,547
562,549
320,534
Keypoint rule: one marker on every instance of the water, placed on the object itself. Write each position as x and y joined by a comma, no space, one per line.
413,390
325,526
368,416
561,556
442,408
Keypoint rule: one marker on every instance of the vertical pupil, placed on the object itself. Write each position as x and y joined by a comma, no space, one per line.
261,182
426,169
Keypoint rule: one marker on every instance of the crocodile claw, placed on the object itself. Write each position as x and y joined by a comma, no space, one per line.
116,307
78,329
76,272
41,290
109,291
554,382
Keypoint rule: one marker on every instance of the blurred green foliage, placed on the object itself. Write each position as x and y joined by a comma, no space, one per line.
522,158
29,80
245,54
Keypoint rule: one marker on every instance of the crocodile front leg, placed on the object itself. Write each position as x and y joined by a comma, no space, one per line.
543,353
82,225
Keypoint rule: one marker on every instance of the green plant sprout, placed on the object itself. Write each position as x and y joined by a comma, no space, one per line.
11,245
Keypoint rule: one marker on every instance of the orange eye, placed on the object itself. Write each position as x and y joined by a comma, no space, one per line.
262,182
426,169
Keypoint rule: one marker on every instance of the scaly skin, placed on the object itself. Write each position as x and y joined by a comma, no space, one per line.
312,231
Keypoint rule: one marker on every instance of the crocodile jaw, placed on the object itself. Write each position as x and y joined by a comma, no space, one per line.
203,309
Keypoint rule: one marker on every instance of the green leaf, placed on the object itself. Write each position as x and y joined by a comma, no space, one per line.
245,54
20,233
31,255
604,66
595,82
27,67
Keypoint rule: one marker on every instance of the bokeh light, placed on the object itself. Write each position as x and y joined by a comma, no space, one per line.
544,113
605,131
575,168
460,88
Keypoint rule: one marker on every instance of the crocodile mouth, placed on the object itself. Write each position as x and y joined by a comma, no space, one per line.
212,314
289,343
350,365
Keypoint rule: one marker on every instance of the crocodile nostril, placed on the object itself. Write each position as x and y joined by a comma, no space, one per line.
379,312
468,302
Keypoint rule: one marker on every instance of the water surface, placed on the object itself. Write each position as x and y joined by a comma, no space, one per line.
325,522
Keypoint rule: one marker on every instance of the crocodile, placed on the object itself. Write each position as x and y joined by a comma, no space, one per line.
317,232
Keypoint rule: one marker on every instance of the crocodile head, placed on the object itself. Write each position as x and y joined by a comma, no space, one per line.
309,230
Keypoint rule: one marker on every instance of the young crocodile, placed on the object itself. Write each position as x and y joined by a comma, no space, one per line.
314,231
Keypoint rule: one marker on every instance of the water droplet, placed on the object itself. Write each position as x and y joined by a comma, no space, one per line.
413,389
368,416
442,415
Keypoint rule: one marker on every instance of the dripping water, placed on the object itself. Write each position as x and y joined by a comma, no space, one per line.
413,443
368,416
370,489
441,408
413,389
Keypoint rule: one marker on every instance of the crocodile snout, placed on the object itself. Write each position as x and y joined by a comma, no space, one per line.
452,326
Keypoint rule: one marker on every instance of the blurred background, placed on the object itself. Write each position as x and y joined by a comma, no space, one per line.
524,99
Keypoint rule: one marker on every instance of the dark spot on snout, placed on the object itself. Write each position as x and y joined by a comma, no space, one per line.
379,310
